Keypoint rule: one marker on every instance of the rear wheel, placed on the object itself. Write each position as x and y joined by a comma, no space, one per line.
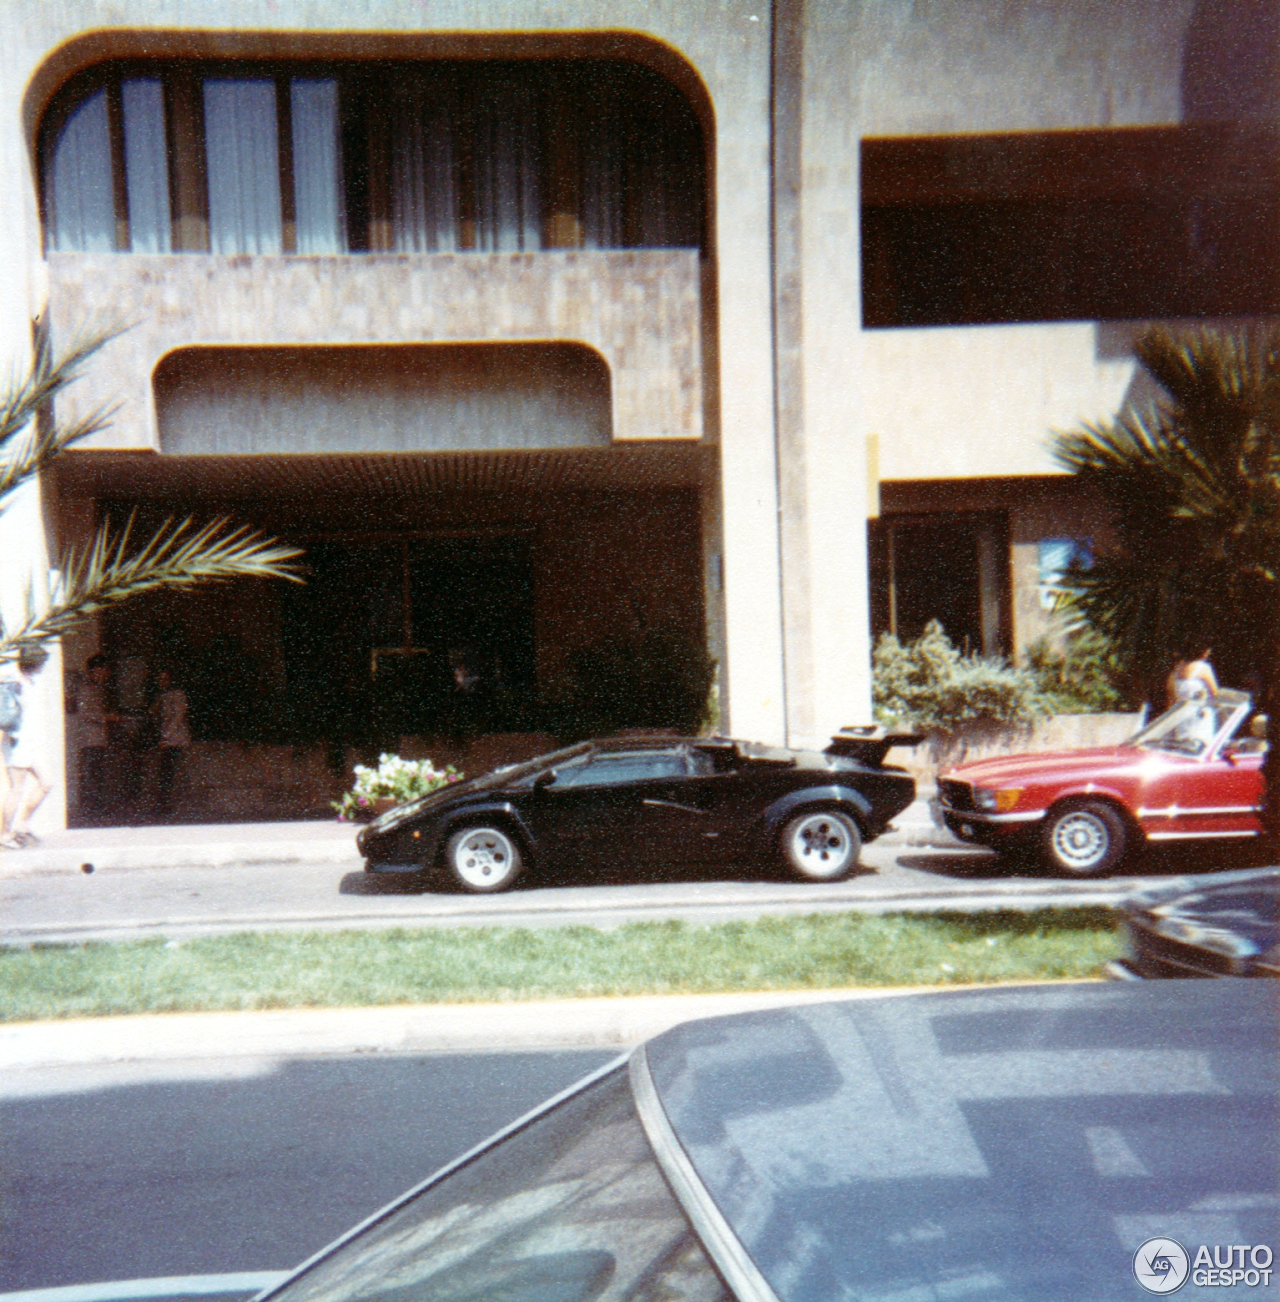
483,859
1087,839
821,845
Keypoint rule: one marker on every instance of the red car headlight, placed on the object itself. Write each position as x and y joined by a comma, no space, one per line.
996,800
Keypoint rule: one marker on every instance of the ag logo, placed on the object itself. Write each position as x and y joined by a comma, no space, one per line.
1161,1265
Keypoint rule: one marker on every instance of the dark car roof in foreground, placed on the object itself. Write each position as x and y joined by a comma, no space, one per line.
988,1145
1258,888
1000,1144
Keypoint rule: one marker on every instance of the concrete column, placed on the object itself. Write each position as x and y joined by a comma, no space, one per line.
753,690
821,434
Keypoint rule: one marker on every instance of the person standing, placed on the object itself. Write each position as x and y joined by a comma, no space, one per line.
170,710
1192,678
24,786
92,720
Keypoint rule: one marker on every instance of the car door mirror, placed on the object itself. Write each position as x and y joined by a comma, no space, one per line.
544,779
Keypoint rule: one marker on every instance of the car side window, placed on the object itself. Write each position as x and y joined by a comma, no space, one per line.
704,765
632,766
567,774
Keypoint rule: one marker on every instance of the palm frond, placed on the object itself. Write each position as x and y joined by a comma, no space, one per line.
27,443
176,556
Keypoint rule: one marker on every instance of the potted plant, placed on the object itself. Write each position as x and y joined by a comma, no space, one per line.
394,781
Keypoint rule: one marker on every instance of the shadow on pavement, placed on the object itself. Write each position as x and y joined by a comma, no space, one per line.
362,883
578,875
966,865
1206,857
1149,861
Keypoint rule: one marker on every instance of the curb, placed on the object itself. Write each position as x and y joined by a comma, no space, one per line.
611,910
417,1028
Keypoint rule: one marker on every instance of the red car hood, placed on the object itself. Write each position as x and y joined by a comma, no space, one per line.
1002,769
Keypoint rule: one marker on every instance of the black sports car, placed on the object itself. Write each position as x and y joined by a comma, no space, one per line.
1224,925
649,801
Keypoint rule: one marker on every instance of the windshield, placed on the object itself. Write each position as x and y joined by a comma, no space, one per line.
573,1207
514,772
485,782
1191,727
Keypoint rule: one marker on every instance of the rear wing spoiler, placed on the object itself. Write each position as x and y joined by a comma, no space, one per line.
869,743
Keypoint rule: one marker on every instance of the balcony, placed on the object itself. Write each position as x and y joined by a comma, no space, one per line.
640,309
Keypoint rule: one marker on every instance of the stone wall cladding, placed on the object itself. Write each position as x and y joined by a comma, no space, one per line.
640,309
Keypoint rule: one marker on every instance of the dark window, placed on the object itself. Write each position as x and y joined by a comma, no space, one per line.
411,635
408,158
1071,225
952,568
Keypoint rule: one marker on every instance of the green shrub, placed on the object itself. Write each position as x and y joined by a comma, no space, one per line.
1078,677
928,684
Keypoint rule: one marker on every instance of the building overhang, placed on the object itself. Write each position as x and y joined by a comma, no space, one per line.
189,482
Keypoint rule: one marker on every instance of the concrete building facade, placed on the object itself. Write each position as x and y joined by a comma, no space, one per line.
750,320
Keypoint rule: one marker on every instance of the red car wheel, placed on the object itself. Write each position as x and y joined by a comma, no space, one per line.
1084,839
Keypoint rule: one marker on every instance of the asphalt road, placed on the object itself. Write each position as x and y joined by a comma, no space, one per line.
139,902
184,902
141,1171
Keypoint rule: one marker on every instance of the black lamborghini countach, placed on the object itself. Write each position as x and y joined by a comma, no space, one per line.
649,801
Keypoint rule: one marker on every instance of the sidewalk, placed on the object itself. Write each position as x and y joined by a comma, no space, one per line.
97,849
192,845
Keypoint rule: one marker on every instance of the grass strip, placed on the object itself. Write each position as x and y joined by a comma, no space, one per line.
256,970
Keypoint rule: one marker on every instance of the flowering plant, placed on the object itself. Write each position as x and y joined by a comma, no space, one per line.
394,779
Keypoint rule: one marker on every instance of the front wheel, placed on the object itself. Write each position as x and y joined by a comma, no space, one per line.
1084,840
483,859
821,846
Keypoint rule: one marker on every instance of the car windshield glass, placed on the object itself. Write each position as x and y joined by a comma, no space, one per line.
987,1147
571,1208
512,773
1191,726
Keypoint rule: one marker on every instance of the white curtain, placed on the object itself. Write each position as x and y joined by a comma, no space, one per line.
667,181
657,169
424,190
244,168
317,167
508,194
650,172
146,163
603,146
82,215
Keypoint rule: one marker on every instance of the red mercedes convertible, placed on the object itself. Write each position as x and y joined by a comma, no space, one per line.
1194,773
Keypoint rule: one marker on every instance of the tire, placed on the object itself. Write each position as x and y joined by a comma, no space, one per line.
821,845
483,859
1087,839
